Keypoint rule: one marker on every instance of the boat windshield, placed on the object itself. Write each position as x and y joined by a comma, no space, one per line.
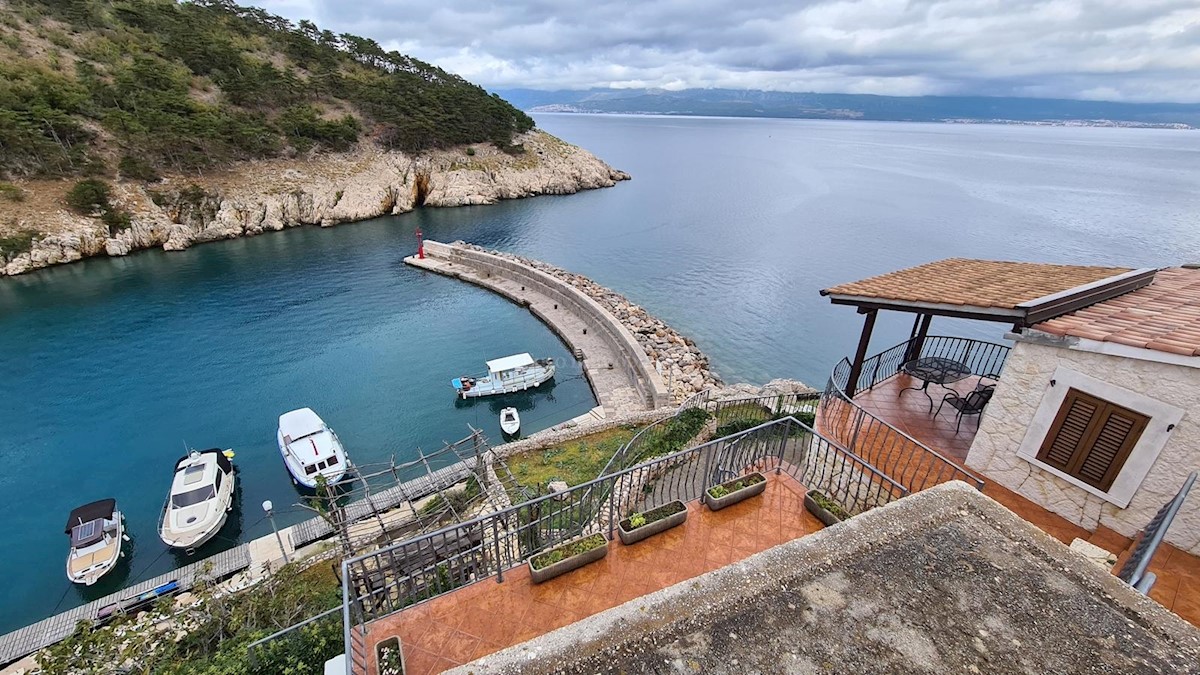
192,497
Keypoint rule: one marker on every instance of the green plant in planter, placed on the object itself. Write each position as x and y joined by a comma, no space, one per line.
829,505
637,520
561,553
717,491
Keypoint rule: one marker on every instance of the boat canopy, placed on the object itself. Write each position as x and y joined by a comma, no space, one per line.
99,510
297,424
509,363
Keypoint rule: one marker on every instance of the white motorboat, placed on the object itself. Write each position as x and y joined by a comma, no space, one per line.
510,421
310,448
96,530
509,374
200,499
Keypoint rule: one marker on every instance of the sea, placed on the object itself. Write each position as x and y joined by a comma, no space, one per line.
728,230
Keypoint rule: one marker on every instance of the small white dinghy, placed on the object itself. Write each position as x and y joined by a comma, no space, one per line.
96,530
310,448
200,499
510,421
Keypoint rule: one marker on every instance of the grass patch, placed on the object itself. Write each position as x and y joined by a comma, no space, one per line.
11,192
575,462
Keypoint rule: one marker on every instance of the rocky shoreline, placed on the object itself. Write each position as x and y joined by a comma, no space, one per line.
677,358
323,190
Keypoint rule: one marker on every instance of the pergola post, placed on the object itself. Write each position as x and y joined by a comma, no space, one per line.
864,341
918,341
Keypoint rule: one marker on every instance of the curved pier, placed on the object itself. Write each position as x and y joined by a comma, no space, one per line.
617,368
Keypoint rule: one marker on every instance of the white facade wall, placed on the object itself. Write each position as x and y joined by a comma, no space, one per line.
1026,381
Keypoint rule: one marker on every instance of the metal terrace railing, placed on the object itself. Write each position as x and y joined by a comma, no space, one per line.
898,454
390,579
1134,571
983,358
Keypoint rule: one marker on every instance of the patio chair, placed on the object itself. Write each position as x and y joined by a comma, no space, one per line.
972,403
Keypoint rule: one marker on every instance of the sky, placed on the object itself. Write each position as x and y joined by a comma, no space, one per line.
1123,50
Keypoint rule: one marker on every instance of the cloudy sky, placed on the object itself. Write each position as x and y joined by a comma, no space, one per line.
1134,50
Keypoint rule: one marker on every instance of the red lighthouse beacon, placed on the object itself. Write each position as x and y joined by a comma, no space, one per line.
420,245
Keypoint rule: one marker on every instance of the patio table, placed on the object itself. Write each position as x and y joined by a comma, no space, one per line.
934,369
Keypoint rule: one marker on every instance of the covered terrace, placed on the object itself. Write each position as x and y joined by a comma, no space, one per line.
913,409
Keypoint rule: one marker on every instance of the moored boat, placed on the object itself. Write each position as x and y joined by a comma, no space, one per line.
510,421
96,530
505,376
200,499
310,448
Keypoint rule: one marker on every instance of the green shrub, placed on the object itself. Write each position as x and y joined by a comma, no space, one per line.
138,169
88,196
11,192
17,243
470,152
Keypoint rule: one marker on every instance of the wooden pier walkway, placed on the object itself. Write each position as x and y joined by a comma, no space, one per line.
27,640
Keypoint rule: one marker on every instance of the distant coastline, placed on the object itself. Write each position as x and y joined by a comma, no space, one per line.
798,105
1111,124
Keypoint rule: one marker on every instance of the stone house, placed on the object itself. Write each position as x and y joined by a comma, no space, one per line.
1097,415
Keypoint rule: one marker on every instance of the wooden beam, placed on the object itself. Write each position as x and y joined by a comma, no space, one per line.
864,341
918,342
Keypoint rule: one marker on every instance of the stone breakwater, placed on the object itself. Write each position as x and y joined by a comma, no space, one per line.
677,358
272,195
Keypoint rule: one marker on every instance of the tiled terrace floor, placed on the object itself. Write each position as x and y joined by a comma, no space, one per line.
909,412
486,616
1178,585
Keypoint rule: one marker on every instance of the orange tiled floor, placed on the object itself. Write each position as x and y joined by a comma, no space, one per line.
1178,585
486,616
909,412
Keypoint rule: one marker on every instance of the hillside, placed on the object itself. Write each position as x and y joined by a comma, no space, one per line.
91,86
126,124
749,103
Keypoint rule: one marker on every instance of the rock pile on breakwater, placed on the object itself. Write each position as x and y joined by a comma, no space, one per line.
680,362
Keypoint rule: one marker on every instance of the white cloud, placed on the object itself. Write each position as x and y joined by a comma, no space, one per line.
1146,50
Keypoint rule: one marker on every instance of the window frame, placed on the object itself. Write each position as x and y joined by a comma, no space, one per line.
1142,455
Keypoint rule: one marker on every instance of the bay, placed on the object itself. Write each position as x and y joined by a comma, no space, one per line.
727,231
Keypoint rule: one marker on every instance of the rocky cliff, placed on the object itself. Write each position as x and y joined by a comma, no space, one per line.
326,190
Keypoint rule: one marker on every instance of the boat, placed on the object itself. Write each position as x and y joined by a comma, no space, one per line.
505,376
310,448
510,421
200,499
96,530
137,603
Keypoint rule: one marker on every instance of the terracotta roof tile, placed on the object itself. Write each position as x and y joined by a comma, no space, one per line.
978,283
1164,316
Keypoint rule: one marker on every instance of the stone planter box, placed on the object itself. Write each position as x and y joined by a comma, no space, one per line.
823,514
735,496
567,564
634,535
389,657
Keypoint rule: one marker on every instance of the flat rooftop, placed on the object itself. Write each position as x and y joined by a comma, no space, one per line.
945,580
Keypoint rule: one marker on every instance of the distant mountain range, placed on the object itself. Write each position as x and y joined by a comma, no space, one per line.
740,103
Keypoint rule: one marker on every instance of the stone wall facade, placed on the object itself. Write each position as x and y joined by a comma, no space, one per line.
1023,385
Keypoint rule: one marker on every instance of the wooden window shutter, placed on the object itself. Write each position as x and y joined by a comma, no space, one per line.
1091,438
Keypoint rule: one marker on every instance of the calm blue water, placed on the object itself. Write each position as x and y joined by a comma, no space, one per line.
727,231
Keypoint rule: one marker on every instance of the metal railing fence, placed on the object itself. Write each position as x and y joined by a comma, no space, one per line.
403,574
896,453
1134,571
